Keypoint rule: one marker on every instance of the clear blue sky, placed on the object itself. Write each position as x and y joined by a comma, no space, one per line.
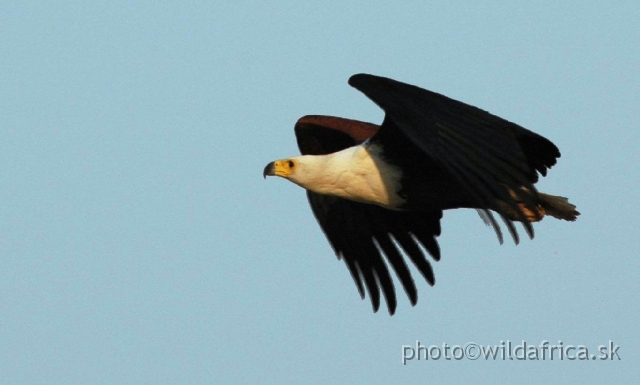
140,244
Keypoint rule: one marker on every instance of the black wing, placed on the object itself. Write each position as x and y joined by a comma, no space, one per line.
362,234
482,151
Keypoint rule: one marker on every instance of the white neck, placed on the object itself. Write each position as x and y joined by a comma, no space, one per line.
357,173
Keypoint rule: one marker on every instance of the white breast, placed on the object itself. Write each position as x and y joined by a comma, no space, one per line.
357,173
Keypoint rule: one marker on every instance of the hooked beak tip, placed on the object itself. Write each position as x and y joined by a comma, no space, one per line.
269,170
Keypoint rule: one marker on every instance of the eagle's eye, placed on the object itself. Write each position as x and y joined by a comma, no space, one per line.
291,164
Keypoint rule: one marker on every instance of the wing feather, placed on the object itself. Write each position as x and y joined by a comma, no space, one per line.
482,151
363,234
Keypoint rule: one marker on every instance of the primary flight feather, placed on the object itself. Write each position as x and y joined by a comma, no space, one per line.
373,187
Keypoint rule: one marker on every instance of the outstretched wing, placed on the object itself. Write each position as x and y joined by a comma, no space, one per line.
365,235
482,151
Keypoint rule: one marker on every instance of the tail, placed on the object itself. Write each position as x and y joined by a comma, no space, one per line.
558,207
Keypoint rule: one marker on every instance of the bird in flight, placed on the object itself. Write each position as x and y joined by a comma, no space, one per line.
373,188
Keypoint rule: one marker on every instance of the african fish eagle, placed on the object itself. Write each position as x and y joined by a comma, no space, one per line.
372,188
